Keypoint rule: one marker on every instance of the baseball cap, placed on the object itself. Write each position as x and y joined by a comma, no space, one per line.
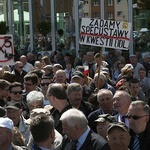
132,55
105,117
48,67
6,123
13,105
102,76
120,125
77,74
35,112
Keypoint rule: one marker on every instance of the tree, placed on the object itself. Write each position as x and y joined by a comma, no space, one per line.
3,27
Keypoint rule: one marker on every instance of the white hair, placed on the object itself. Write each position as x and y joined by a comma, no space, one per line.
74,117
34,96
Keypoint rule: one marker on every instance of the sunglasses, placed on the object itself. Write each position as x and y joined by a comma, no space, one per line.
21,67
135,117
16,92
43,84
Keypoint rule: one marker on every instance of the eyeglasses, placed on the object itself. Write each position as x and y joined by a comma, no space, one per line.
28,84
16,92
20,67
43,84
135,117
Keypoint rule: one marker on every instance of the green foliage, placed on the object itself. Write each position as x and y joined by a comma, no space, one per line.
3,27
44,27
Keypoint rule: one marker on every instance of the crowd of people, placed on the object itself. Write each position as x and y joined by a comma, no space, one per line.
95,101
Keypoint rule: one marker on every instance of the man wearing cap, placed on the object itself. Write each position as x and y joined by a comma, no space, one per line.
136,65
6,127
78,77
48,71
102,124
14,112
118,136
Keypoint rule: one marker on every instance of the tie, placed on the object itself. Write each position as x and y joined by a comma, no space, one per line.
136,143
74,145
123,119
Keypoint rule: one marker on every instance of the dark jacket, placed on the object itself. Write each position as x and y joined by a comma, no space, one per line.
35,147
92,142
144,139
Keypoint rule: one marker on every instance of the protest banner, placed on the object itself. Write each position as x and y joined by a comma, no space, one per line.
6,50
105,33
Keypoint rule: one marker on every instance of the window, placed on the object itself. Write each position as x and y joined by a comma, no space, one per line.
110,15
95,15
119,1
95,3
110,2
86,15
119,13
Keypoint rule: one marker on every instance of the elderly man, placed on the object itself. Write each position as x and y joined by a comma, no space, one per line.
138,114
118,136
121,104
105,99
102,124
60,77
75,126
74,94
14,112
6,127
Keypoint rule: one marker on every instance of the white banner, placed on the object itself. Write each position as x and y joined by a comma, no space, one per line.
6,50
105,33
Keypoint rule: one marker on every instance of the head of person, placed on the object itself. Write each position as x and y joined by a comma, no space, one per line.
105,99
30,56
118,52
134,87
74,123
133,59
18,66
127,70
146,58
4,88
57,67
14,111
39,74
78,77
138,114
45,81
67,57
35,99
44,124
30,82
68,65
48,69
99,83
74,94
102,124
60,76
16,91
118,136
97,58
23,59
6,127
121,101
56,94
90,57
142,73
38,65
17,137
9,76
45,61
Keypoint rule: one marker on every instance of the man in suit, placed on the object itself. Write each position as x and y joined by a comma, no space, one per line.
79,135
121,104
42,129
6,127
138,114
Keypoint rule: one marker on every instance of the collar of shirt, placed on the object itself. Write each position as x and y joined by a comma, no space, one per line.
82,138
126,120
43,148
